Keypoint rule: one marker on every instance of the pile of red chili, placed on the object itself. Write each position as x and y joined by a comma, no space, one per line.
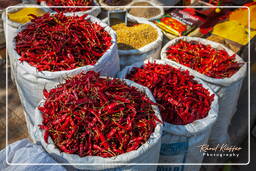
182,100
58,42
93,116
204,59
69,3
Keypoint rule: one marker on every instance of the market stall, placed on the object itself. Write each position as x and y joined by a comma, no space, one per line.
113,82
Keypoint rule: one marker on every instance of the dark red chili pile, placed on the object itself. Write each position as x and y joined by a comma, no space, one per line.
68,3
204,59
58,42
93,116
182,100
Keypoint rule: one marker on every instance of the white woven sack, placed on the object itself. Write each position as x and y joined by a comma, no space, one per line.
30,82
227,89
179,143
15,155
149,19
9,32
10,29
94,11
153,49
147,153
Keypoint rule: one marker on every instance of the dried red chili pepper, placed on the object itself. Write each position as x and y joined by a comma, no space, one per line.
58,42
78,123
69,3
183,100
204,59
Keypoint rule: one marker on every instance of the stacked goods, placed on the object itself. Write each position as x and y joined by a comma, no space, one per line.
188,108
218,66
234,33
137,40
59,46
69,45
89,116
91,7
241,15
147,13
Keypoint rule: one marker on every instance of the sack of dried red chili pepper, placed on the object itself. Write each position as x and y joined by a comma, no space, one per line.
187,105
91,119
220,67
60,46
94,11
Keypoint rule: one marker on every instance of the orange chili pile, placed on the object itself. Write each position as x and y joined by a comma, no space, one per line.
58,42
93,116
204,59
69,3
182,100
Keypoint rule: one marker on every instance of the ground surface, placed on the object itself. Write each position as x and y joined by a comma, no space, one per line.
17,126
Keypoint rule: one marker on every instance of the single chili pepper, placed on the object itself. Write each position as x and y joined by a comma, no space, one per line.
111,133
61,119
46,135
110,107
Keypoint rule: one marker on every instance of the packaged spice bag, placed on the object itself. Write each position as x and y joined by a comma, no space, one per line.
179,22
